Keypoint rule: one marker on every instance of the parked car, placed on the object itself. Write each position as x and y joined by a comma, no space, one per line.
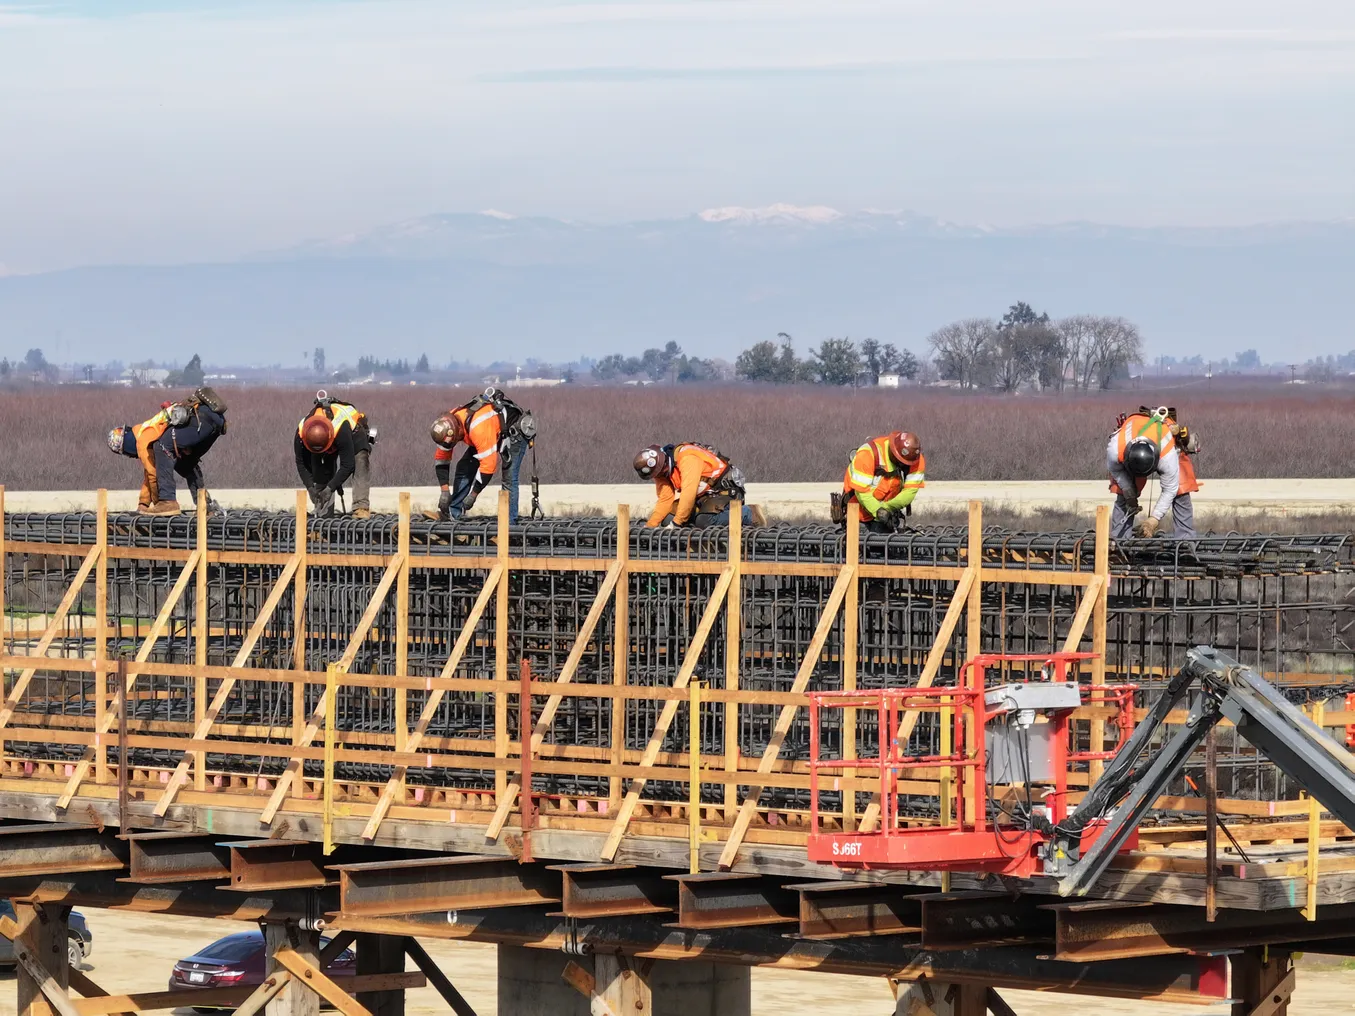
79,939
239,960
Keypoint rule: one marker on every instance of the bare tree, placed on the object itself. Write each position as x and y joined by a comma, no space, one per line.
1115,344
962,350
1076,334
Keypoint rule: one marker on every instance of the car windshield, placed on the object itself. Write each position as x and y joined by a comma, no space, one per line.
233,948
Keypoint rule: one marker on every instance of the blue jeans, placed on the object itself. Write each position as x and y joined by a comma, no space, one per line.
468,467
721,518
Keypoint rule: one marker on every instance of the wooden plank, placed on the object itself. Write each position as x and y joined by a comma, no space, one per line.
142,654
501,608
345,661
402,626
223,691
299,627
151,1001
845,580
1099,629
269,989
1091,596
307,973
851,620
567,672
101,629
973,647
201,616
958,602
733,649
661,725
63,608
430,708
620,650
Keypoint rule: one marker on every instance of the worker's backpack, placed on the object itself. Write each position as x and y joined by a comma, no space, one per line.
515,419
326,402
729,482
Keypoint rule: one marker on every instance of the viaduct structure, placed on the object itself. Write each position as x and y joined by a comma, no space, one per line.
588,742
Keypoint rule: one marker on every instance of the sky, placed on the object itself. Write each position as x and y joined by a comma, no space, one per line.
164,132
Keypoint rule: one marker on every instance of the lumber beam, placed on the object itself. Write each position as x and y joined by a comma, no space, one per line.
846,578
670,708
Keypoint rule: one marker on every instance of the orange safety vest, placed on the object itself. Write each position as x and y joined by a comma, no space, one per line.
873,471
712,467
1139,425
343,413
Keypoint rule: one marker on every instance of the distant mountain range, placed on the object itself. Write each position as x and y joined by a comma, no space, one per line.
491,286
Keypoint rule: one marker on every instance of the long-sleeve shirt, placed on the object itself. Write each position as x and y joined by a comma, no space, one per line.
1168,473
693,469
877,481
343,447
484,431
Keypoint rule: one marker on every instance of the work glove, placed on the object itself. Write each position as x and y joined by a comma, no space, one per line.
213,506
1148,527
324,502
469,502
445,505
888,518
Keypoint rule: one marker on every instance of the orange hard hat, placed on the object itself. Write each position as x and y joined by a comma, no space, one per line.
905,446
651,463
317,434
447,430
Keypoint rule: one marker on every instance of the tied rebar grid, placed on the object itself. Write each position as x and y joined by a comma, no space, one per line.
1282,604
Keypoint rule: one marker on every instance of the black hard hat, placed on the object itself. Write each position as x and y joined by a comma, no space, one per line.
1140,456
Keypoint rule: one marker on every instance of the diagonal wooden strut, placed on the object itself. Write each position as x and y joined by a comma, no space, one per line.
318,981
430,708
180,775
670,708
590,622
349,655
1091,595
143,654
930,669
772,752
53,626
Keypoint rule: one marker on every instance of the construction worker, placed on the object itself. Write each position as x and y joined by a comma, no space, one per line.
170,443
333,442
496,430
695,485
883,477
1143,446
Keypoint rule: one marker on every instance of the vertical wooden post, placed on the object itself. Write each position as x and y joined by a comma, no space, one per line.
694,776
733,651
1211,828
297,998
381,954
1314,835
851,619
100,637
402,627
620,987
41,945
973,647
331,729
620,650
1098,724
501,607
299,635
526,802
4,618
200,636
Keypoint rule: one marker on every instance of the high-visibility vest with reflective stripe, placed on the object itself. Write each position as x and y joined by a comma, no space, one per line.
712,467
873,470
343,413
1188,482
1138,425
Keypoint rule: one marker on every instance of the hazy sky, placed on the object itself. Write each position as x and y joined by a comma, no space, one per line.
164,131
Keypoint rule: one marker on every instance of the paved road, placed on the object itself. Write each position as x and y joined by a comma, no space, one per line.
791,500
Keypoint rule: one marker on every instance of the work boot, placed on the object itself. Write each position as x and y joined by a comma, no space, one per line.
162,508
756,516
362,513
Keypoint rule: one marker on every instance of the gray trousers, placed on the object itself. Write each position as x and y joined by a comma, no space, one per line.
1183,519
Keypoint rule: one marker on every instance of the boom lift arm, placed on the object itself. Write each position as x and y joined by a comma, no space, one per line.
1275,726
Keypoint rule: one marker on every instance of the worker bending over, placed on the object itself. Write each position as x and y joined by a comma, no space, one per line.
1143,446
333,442
172,443
695,485
883,477
496,430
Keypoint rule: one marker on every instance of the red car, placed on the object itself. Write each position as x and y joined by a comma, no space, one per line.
239,960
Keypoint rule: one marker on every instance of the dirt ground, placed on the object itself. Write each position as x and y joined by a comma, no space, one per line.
134,952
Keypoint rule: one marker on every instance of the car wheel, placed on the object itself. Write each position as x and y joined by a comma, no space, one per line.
75,955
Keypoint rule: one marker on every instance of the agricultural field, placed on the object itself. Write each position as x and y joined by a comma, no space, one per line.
1264,429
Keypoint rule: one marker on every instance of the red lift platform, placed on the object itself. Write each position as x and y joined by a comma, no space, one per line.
969,840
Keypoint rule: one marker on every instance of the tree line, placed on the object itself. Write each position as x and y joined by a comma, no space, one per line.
667,364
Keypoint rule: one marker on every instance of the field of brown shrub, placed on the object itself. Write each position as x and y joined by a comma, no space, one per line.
54,438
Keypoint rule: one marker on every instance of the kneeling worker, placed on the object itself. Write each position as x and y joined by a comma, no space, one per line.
883,477
695,485
170,443
333,442
1142,446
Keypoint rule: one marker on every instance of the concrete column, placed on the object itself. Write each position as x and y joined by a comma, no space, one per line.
926,997
1259,975
381,954
296,999
42,937
531,984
